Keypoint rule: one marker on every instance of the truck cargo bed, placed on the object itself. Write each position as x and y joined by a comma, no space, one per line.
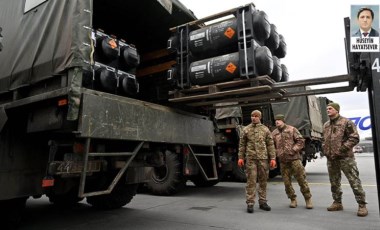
110,116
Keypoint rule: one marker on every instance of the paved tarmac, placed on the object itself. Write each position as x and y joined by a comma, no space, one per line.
221,207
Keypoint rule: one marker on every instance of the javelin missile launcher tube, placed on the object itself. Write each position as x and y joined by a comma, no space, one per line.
221,38
129,58
273,41
261,26
280,52
226,67
214,39
245,46
128,83
285,74
214,70
276,74
114,66
106,48
106,78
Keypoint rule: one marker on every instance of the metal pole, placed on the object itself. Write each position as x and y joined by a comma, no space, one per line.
82,182
374,106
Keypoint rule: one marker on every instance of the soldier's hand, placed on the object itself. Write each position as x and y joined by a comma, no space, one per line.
273,164
240,163
343,149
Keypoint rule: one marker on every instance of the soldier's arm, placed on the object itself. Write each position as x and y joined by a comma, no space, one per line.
242,145
299,141
351,136
274,133
270,145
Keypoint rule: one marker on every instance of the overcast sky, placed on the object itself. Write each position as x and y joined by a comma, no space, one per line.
314,33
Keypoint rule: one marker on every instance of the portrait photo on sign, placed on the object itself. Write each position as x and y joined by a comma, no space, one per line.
365,28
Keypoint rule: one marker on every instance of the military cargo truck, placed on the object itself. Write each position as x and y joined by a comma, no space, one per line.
72,125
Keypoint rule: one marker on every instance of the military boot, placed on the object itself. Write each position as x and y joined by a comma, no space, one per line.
293,203
335,206
265,206
309,204
362,211
250,208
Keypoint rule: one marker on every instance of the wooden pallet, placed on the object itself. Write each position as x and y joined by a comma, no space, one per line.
257,89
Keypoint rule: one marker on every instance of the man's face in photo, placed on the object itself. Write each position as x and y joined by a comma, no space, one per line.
365,20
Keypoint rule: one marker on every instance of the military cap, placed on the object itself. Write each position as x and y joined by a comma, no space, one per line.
336,106
280,117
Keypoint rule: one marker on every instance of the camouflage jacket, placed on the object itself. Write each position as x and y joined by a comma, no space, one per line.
340,136
289,143
256,142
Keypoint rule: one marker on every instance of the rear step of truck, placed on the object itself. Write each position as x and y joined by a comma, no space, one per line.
202,163
87,154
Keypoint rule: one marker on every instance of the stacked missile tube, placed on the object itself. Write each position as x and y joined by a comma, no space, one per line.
243,46
113,65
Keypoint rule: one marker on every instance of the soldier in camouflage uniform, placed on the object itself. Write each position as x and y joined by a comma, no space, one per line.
341,136
289,143
256,148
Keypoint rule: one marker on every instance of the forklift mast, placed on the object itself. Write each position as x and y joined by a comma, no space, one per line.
365,67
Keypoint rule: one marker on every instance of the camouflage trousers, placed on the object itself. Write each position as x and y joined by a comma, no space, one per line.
296,169
256,170
349,168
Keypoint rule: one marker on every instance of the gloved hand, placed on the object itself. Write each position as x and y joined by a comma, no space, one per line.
240,163
273,164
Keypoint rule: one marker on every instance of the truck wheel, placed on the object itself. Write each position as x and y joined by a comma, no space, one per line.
11,212
238,172
68,199
167,179
200,181
65,192
121,195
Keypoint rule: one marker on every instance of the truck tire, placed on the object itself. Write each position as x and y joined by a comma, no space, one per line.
66,200
65,192
121,195
200,181
11,212
238,172
167,179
